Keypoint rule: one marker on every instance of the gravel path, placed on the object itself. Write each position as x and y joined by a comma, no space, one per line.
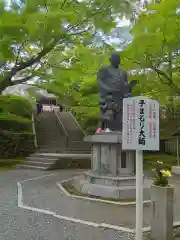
20,224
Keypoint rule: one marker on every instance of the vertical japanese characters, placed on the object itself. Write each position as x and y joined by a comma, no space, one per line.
129,130
152,121
154,116
131,123
142,135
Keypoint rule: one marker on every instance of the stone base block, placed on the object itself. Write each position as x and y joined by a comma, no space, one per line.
105,191
122,181
108,192
176,169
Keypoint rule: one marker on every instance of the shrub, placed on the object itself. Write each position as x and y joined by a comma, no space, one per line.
16,144
16,138
162,174
17,105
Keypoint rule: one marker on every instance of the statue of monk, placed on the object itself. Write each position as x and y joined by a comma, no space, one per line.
113,87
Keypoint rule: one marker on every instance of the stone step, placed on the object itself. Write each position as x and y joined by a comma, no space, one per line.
68,155
68,121
45,138
74,137
77,151
38,164
49,151
41,155
78,143
49,133
78,148
71,126
41,159
26,166
49,140
49,145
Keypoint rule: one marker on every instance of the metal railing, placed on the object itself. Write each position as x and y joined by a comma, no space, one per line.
77,123
62,127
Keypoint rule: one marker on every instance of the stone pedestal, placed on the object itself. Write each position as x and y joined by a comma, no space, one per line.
108,157
112,173
162,212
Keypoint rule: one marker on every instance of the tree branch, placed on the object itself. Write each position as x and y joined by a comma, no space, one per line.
23,65
7,81
22,80
19,51
63,4
160,72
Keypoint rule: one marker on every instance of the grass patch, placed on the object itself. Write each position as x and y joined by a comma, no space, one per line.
10,163
151,159
177,234
73,191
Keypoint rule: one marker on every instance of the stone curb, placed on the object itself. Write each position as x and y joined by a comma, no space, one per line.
99,225
59,185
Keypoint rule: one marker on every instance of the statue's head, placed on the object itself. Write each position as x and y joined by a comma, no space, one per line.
115,59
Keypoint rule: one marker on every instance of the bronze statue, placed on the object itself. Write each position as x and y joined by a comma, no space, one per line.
113,87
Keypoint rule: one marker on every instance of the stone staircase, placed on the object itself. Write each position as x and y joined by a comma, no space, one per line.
57,134
75,134
71,126
78,147
39,162
50,139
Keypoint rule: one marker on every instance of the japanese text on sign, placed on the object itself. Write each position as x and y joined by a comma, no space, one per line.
140,124
142,137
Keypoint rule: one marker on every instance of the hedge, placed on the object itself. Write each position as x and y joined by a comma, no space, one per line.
16,138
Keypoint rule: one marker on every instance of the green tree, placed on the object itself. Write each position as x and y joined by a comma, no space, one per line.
156,45
37,33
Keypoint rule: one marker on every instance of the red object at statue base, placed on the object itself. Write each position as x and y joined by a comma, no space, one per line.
99,130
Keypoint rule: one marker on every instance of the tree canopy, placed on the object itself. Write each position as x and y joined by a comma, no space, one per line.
38,35
153,54
156,47
55,40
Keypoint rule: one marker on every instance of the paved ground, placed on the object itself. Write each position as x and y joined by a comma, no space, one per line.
21,224
40,195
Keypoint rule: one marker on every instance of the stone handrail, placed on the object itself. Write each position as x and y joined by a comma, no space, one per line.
77,123
62,127
34,131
